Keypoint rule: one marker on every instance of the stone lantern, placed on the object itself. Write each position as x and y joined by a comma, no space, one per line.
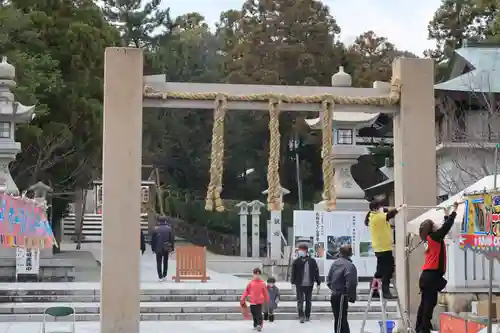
41,190
345,149
11,113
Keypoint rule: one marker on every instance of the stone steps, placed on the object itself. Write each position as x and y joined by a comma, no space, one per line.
190,317
167,302
184,307
154,288
153,298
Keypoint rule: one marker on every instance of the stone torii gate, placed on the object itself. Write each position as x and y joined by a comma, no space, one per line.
126,92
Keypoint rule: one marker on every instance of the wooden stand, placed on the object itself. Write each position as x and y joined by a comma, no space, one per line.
191,263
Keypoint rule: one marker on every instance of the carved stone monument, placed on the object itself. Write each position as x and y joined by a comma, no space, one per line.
243,228
256,206
275,228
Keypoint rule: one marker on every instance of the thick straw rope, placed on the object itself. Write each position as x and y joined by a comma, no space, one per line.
274,196
217,157
326,152
391,99
273,173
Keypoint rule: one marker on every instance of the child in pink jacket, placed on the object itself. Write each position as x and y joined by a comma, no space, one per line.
257,293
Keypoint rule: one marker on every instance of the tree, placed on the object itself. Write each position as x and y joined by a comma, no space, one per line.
274,42
371,57
177,140
458,20
58,49
140,22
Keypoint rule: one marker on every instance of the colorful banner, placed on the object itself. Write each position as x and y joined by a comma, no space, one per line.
23,223
481,226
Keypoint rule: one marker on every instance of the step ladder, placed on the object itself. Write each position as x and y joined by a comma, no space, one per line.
376,286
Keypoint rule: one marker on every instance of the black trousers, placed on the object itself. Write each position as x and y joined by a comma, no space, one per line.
428,301
162,258
430,283
385,268
304,294
256,311
339,308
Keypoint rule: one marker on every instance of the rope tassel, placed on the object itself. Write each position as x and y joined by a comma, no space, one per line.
217,157
273,173
329,194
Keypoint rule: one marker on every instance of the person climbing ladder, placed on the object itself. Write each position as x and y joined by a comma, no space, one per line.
432,279
377,220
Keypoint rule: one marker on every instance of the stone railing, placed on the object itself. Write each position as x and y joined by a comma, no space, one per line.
215,242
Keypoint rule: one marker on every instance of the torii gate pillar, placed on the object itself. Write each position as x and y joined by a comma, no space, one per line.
121,168
414,165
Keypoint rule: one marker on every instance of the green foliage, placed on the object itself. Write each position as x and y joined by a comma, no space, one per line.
58,50
458,20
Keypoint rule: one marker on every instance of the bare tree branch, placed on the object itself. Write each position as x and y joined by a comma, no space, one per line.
467,128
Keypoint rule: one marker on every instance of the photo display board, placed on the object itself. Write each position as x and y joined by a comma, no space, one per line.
326,232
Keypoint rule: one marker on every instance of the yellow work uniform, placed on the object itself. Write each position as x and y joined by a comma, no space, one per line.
381,232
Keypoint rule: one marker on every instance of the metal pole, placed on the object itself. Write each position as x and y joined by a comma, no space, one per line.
299,181
490,285
297,171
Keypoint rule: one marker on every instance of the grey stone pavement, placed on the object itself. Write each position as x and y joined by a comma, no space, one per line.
193,327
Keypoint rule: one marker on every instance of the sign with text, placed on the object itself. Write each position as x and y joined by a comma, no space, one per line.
275,234
27,261
24,224
481,225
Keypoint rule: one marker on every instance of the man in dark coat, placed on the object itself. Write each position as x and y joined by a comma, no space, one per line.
162,243
342,280
305,273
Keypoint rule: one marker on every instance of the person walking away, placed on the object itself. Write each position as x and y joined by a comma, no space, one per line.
305,272
432,279
342,280
162,243
143,243
274,298
256,292
377,220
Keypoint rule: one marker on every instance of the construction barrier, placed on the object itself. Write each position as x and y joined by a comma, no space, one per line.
191,263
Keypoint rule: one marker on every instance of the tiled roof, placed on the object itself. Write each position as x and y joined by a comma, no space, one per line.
485,75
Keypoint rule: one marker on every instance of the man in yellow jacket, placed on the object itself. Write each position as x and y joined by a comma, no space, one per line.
377,220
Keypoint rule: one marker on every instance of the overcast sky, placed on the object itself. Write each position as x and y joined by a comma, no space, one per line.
403,23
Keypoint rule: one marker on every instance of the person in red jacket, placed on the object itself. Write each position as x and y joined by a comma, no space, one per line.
257,293
432,279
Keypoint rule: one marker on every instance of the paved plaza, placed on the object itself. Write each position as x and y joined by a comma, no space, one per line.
285,326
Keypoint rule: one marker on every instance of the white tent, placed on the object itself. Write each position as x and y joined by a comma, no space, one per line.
437,215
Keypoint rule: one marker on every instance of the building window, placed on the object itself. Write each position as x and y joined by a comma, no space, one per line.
4,130
344,137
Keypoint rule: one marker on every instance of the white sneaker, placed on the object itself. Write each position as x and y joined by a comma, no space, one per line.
161,280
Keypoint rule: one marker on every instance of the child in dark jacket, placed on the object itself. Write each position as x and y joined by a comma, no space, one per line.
274,298
256,291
